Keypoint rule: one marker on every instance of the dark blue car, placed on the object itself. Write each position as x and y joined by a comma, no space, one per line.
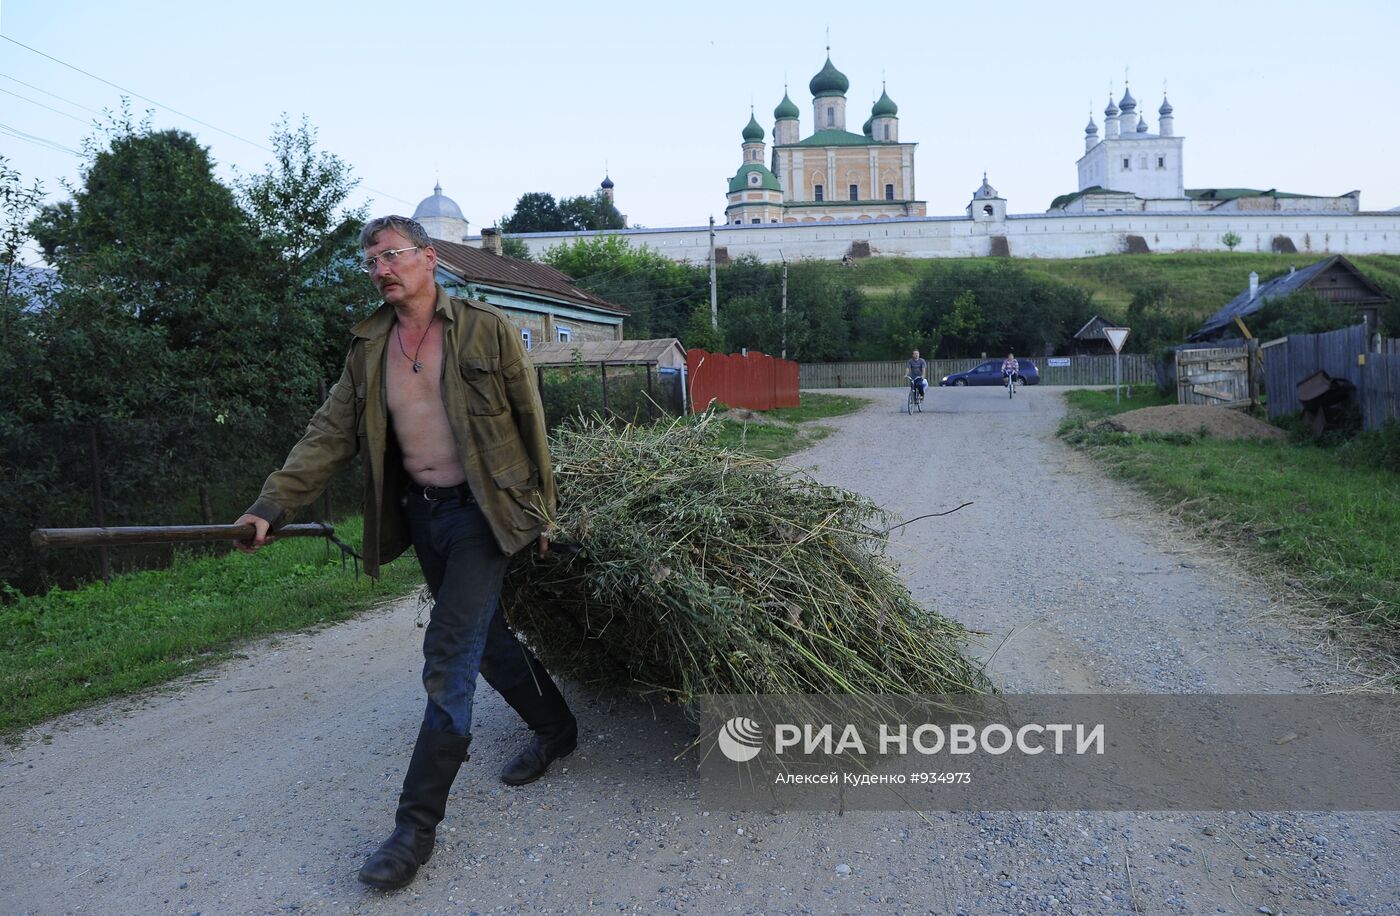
989,373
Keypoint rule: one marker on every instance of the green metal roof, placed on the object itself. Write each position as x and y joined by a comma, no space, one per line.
834,137
753,132
740,181
885,107
786,109
829,81
1232,193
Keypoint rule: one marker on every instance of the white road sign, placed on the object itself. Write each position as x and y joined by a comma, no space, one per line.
1116,336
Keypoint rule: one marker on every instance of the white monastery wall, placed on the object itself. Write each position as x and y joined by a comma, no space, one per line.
1071,235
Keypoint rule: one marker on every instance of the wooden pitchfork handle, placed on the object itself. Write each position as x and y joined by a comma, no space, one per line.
43,538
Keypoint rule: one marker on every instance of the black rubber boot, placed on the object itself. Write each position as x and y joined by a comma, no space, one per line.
436,759
543,708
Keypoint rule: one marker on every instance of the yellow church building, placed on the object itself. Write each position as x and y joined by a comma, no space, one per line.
833,174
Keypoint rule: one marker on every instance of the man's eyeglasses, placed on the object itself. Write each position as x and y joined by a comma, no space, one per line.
389,257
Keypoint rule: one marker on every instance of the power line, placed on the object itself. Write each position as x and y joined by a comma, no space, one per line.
51,94
161,105
42,105
38,141
136,94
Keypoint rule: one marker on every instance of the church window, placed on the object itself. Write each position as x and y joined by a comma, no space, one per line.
987,209
525,337
817,193
855,192
889,192
887,131
565,335
1127,163
1161,162
831,116
755,220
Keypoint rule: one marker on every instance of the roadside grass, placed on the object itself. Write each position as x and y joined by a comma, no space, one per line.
785,430
1315,520
69,649
1088,406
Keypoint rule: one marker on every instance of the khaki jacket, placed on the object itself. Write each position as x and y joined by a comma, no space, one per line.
493,406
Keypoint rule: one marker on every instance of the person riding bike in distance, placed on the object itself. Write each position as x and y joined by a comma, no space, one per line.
917,374
1010,366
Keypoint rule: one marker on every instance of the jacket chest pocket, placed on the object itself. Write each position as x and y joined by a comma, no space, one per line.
486,390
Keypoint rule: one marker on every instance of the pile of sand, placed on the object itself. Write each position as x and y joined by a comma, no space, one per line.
1218,422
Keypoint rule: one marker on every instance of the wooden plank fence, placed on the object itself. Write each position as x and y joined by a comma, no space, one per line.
1291,359
1373,366
1379,392
1082,370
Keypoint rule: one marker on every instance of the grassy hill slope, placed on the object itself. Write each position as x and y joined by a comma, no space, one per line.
1199,283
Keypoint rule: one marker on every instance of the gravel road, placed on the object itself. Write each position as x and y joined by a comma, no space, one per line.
260,787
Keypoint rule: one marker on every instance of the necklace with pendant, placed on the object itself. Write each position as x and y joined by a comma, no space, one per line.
398,332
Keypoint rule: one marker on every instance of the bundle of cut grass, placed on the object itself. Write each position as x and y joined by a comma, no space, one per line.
703,571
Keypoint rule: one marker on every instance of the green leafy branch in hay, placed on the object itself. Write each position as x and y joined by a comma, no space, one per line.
701,571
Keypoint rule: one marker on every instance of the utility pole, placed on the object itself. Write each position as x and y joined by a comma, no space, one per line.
780,254
714,292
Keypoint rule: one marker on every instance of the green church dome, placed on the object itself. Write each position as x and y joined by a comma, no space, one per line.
829,81
765,181
753,133
786,110
885,107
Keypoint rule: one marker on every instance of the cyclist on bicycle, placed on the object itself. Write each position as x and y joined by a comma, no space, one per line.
1010,367
917,374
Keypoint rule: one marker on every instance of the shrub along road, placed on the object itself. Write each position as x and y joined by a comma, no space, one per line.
261,786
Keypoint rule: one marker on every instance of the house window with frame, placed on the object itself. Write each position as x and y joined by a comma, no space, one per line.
855,192
525,337
889,192
563,334
817,193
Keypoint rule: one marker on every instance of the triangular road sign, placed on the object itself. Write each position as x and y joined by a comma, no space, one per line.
1116,336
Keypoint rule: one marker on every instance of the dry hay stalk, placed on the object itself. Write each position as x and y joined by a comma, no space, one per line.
704,571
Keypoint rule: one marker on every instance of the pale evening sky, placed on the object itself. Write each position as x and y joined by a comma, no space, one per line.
502,98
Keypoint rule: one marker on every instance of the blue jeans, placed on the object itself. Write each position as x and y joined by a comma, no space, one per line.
467,634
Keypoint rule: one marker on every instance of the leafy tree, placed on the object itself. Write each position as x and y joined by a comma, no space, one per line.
889,327
1231,240
309,241
589,212
536,211
515,248
700,333
658,292
1301,312
23,367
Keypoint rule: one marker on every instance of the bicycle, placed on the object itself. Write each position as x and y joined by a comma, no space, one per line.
1010,384
916,397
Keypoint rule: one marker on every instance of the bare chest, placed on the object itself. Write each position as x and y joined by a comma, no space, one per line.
413,374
